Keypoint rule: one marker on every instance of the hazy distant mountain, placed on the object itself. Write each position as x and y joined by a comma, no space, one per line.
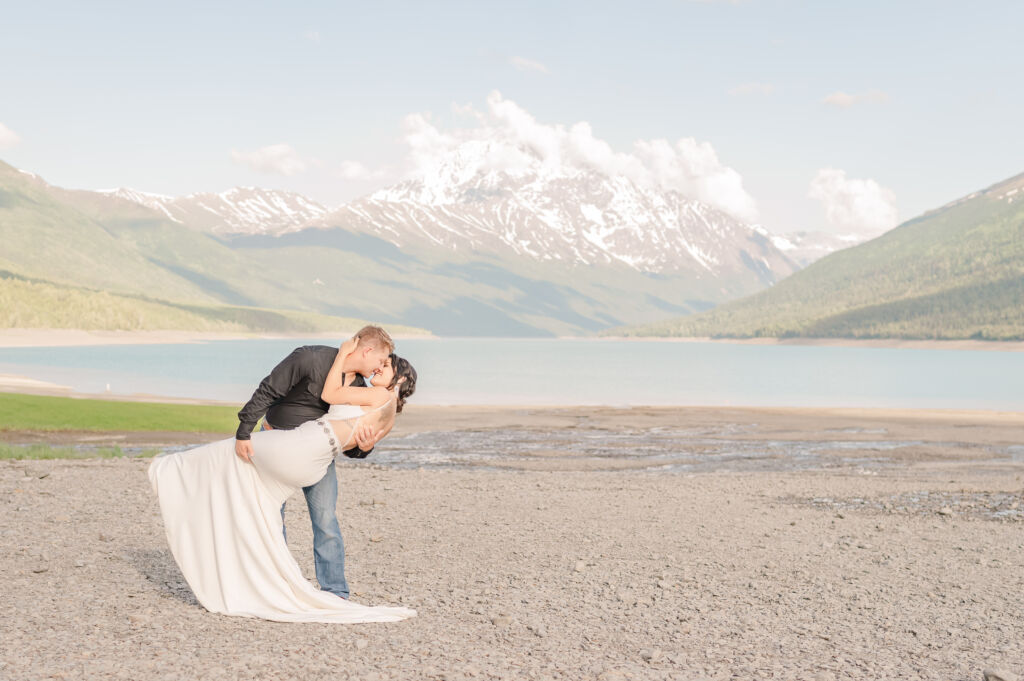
954,272
241,210
803,248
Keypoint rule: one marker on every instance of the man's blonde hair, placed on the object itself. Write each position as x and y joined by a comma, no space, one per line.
374,335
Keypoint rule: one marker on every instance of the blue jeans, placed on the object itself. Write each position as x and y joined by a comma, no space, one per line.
328,545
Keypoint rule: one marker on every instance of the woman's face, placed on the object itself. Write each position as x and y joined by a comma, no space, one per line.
384,377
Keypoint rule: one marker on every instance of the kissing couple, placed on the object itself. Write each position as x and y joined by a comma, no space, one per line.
223,502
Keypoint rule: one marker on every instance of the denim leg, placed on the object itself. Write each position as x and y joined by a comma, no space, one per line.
328,545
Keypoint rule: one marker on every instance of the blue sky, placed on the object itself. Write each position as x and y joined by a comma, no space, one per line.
922,99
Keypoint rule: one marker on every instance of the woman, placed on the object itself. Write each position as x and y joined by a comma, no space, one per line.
223,515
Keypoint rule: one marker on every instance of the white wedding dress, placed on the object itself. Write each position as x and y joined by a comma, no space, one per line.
223,522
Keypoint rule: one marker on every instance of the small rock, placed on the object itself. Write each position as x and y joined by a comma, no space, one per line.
578,567
79,563
538,630
998,675
376,538
650,654
105,537
945,510
361,644
824,676
501,620
39,569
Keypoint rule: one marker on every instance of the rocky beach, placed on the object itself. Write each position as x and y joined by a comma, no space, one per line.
580,543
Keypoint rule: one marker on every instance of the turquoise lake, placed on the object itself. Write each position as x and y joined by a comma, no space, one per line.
568,372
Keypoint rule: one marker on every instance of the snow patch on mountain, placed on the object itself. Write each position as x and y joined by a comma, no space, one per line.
240,210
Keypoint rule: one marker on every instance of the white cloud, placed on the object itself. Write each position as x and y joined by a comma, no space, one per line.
507,137
280,159
524,64
354,170
8,138
843,100
752,89
853,205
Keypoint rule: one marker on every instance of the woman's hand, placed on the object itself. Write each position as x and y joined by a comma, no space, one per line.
348,347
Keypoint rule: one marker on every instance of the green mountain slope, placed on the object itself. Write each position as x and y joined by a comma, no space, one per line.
25,303
45,237
955,272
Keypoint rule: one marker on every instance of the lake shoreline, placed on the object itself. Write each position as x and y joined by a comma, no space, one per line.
22,385
805,424
23,338
59,338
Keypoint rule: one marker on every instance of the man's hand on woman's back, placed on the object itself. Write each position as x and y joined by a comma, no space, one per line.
365,437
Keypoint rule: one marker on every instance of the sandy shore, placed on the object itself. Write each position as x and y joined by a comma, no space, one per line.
15,338
44,338
907,565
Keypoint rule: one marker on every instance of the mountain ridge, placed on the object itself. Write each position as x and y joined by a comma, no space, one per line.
955,272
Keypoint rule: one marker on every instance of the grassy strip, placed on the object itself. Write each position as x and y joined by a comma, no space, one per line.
39,452
37,412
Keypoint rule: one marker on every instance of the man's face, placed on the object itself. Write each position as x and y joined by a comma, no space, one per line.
372,360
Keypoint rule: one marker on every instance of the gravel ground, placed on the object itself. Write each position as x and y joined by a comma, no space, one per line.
913,570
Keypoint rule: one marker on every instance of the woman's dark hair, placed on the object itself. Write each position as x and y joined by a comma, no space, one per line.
402,370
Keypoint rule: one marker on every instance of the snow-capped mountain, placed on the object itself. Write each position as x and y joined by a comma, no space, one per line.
468,202
482,197
241,210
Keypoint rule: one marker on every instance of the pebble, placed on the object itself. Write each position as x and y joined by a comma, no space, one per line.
501,620
361,644
998,675
946,510
578,567
650,654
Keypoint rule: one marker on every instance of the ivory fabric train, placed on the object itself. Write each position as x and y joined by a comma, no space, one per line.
223,522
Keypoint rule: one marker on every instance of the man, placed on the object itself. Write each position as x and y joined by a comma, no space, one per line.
290,396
